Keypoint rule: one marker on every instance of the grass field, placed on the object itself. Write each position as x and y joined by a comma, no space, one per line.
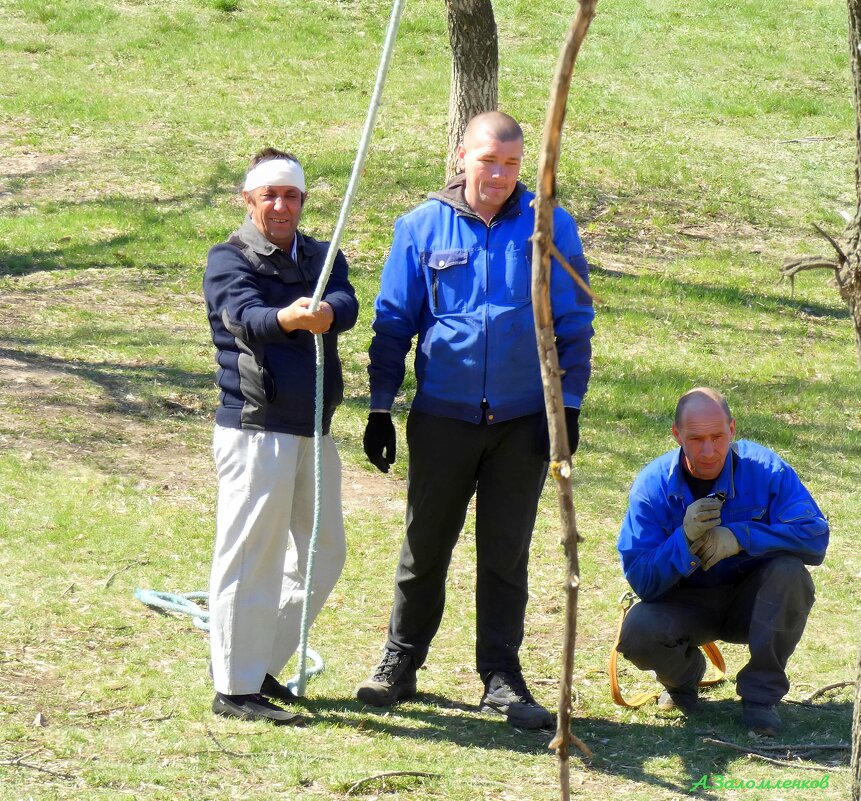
702,141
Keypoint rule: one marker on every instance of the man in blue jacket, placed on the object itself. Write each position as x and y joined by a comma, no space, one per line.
258,288
458,278
715,543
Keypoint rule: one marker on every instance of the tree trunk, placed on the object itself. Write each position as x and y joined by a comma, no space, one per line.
850,275
474,68
856,738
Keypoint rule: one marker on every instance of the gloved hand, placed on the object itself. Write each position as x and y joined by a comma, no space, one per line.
701,516
715,545
572,423
379,440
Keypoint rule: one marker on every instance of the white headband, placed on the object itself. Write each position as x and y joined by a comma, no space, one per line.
275,172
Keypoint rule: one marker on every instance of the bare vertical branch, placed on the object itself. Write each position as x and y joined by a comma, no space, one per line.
560,456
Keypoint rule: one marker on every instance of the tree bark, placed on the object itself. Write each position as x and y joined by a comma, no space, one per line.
850,275
474,68
856,738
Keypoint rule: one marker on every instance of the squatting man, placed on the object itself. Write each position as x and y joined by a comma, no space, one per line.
715,543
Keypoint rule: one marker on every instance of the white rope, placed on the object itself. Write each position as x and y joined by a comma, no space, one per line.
358,165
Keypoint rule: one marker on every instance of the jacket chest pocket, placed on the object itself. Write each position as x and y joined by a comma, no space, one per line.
518,272
451,280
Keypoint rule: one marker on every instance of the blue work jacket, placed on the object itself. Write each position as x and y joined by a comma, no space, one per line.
767,508
463,287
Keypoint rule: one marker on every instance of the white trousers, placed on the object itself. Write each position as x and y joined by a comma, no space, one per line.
264,522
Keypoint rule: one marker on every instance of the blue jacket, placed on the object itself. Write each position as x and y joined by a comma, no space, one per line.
267,377
767,508
464,287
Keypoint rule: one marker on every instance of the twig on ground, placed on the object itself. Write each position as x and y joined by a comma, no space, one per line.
128,566
18,762
806,747
804,139
753,753
376,776
222,748
97,713
827,688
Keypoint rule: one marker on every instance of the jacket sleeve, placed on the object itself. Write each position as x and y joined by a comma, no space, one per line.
341,296
652,544
397,312
232,292
573,312
795,523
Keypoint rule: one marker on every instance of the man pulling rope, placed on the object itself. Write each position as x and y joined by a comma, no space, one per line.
258,288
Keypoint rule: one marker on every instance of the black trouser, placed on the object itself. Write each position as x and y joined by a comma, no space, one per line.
504,466
767,609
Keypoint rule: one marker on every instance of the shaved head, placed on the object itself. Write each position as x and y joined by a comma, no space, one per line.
699,396
499,125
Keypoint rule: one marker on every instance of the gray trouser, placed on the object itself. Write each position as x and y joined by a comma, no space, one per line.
504,466
264,524
767,609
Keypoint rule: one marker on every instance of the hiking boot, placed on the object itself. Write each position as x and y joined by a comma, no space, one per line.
272,688
685,699
393,679
506,694
253,707
761,719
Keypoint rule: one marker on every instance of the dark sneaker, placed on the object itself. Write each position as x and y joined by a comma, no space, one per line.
761,719
685,699
506,694
272,688
253,707
394,678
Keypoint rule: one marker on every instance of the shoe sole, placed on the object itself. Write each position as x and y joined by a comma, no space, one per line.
377,695
290,720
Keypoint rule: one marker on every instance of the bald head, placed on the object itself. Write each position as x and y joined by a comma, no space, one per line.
705,429
500,126
490,157
701,398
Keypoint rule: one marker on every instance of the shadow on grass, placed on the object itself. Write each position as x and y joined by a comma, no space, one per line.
624,749
149,222
116,380
636,751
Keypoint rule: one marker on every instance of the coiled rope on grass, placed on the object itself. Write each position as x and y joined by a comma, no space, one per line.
184,604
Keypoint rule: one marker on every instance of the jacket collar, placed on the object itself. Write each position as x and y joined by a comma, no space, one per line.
452,194
725,482
251,236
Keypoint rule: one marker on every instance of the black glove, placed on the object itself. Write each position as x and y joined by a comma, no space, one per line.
379,440
572,423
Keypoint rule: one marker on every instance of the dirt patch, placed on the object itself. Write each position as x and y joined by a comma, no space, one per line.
362,490
57,411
